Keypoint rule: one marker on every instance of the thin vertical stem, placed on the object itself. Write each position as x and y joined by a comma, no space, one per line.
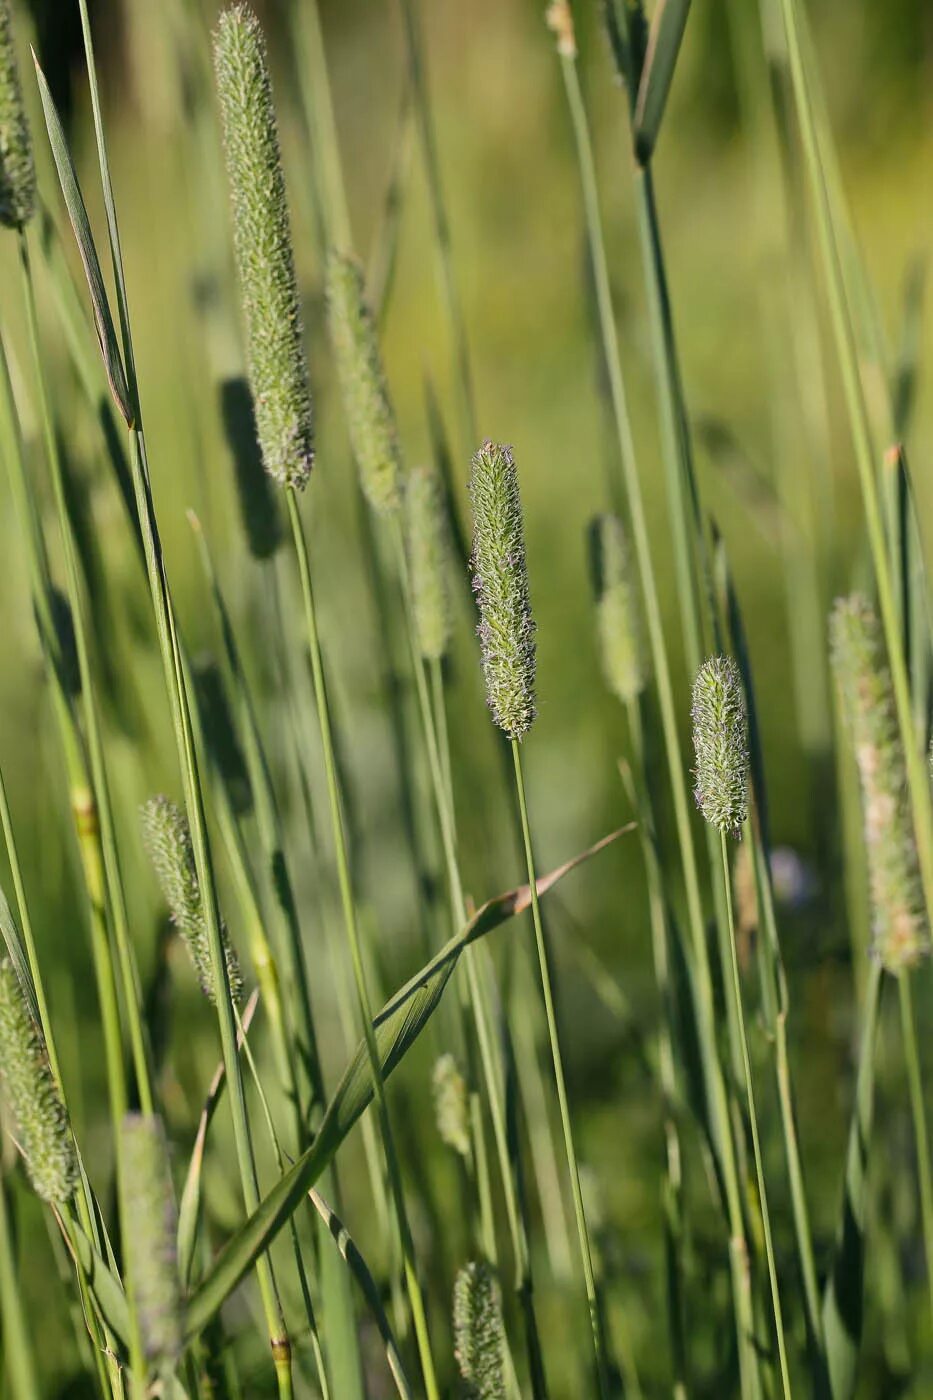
918,1110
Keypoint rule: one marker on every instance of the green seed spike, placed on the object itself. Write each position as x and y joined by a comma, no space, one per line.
369,413
41,1120
450,1105
428,560
720,739
479,1334
901,933
617,616
150,1228
17,171
500,581
168,842
263,249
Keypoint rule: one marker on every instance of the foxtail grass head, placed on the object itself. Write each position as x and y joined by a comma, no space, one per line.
900,930
450,1105
720,741
479,1333
150,1228
428,561
500,581
168,841
368,408
40,1117
262,245
617,618
17,170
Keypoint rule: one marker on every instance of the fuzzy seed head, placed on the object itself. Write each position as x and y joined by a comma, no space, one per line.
262,246
450,1105
41,1120
500,581
167,838
901,934
720,740
479,1332
17,171
428,561
368,408
150,1228
617,617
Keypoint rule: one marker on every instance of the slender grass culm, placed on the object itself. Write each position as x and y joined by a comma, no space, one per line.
720,740
507,640
262,235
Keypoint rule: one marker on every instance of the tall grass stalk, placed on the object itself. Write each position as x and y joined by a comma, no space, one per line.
721,1126
19,1360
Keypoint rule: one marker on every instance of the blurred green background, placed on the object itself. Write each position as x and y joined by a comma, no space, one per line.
520,261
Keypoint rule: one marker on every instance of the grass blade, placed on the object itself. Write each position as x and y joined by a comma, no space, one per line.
664,39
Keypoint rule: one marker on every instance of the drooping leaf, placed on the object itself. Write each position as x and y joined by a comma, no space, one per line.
396,1027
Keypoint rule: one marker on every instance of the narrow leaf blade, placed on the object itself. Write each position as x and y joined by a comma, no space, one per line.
664,39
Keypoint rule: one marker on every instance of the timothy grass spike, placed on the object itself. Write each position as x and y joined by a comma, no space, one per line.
41,1119
450,1105
901,933
479,1333
617,616
150,1229
370,416
263,248
426,538
500,581
17,169
720,740
168,841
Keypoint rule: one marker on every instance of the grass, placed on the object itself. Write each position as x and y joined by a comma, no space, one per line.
682,1061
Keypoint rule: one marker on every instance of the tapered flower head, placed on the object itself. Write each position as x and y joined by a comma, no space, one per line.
17,171
41,1119
617,617
500,581
368,408
150,1228
262,246
720,740
450,1105
168,841
479,1332
901,932
428,561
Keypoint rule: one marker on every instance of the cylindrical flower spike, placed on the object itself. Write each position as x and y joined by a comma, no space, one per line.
500,581
720,740
900,928
42,1126
17,170
150,1228
617,617
368,408
262,242
426,539
450,1105
168,841
479,1332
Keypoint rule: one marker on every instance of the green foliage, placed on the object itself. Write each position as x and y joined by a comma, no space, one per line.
428,561
617,618
150,1225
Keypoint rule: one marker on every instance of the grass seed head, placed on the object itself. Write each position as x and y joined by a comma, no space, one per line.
150,1229
428,561
40,1116
450,1105
262,245
168,841
617,618
17,170
500,581
370,416
479,1333
900,930
720,740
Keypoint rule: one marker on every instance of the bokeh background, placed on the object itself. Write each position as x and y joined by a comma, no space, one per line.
763,448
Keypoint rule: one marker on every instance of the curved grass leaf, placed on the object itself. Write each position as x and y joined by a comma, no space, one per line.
105,1287
397,1026
77,213
664,38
